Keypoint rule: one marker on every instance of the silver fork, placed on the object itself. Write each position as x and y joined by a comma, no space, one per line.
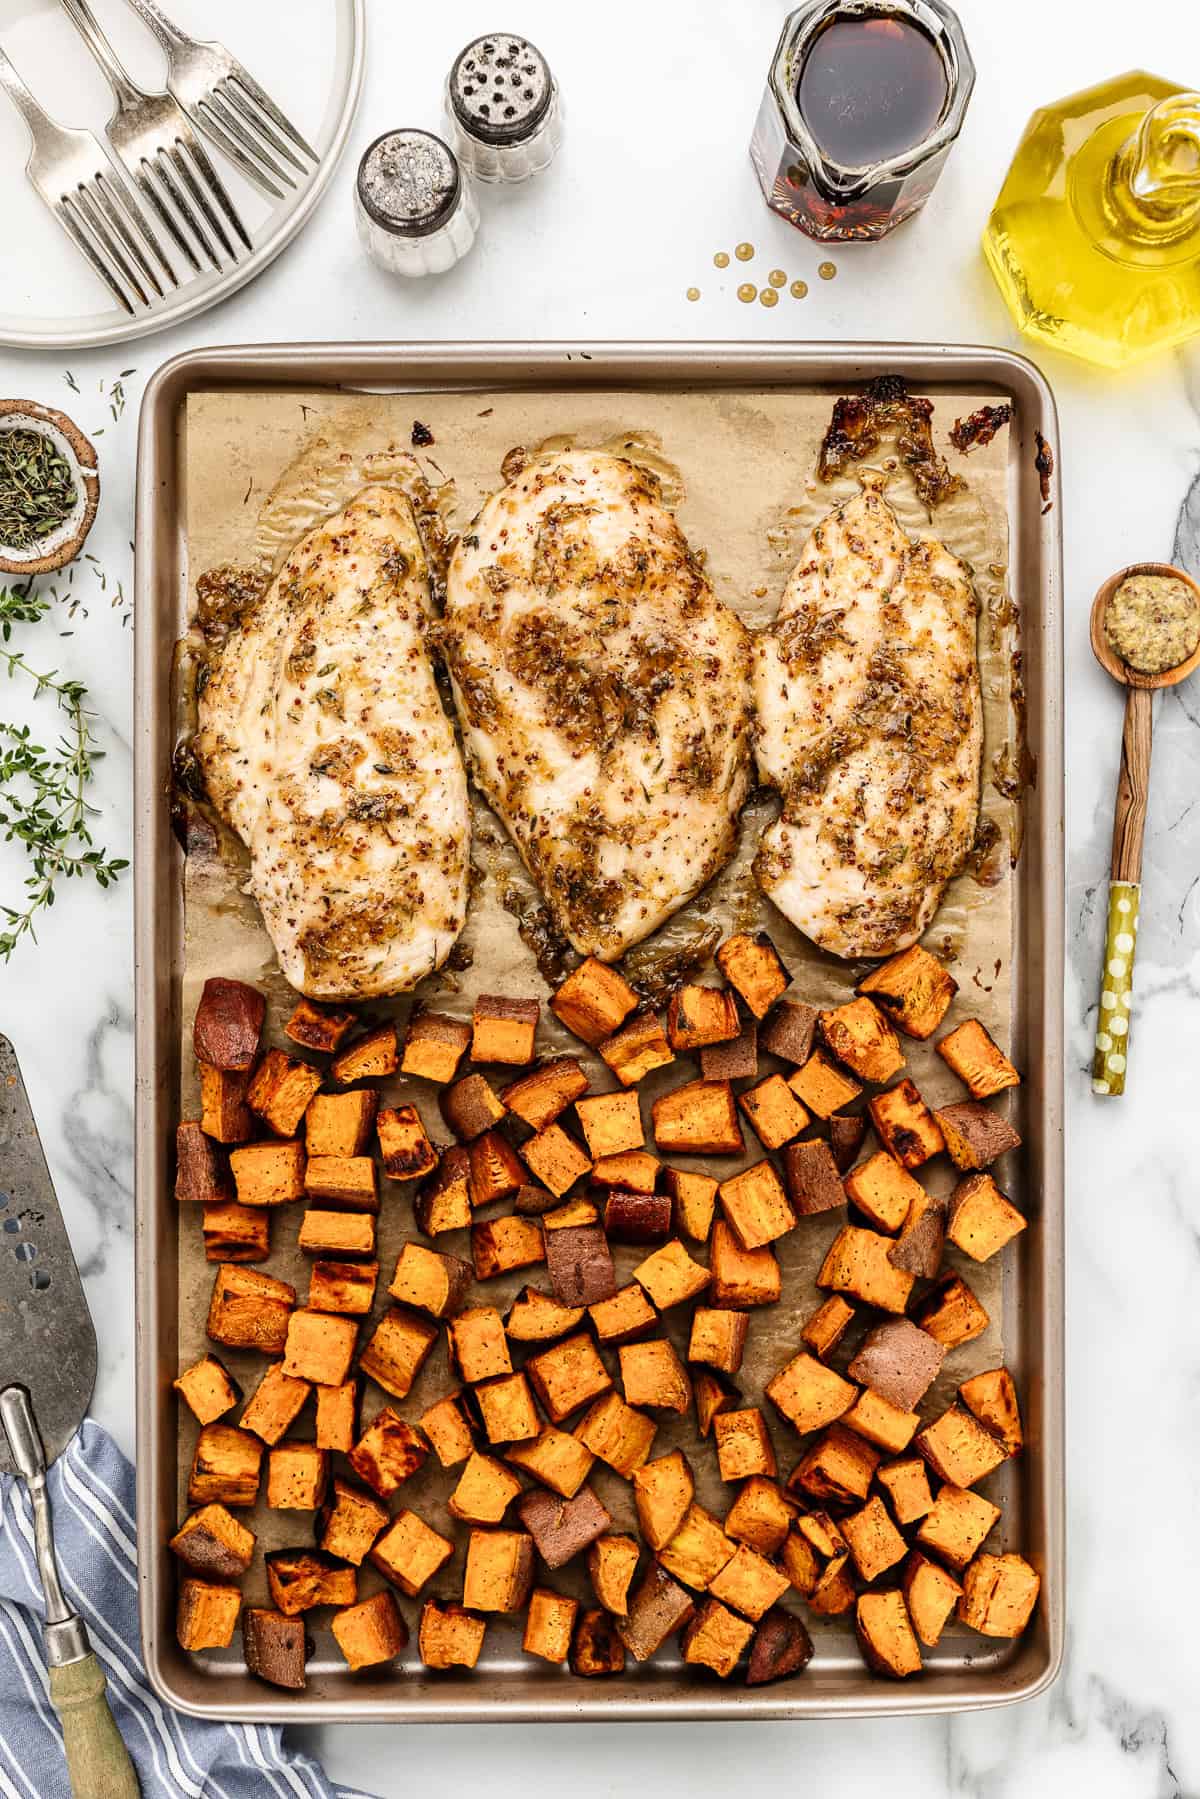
223,99
153,139
75,177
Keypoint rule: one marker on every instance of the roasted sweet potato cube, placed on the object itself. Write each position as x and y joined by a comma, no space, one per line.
662,1492
781,1647
715,1638
992,1397
319,1347
555,1458
562,1528
823,1088
449,1636
823,1532
846,1133
736,1060
857,1263
813,1182
215,1543
349,1523
443,1202
594,1001
714,1394
502,1245
749,1582
861,1038
396,1352
540,1097
698,1550
616,1433
800,1562
317,1027
906,1484
652,1375
834,1592
756,1206
754,968
694,1198
485,1490
885,1635
497,1172
478,1344
434,1045
624,1318
957,1525
369,1058
555,1159
718,1338
744,1444
981,1219
432,1282
634,1171
206,1614
534,1202
913,989
881,1422
346,1287
951,1314
449,1429
899,1361
499,1570
370,1632
839,1466
637,1217
596,1649
537,1317
342,1235
225,1468
774,1111
224,1114
337,1416
918,1248
268,1174
977,1060
281,1090
276,1404
249,1310
228,1023
612,1563
548,1625
503,1029
699,1016
406,1150
930,1594
788,1031
506,1406
567,1376
344,1183
760,1516
570,1215
699,1119
658,1608
958,1449
975,1135
297,1474
875,1543
999,1594
636,1049
389,1452
883,1191
471,1106
905,1125
274,1647
808,1394
208,1388
611,1122
824,1329
410,1552
202,1174
234,1233
670,1276
741,1278
299,1579
340,1124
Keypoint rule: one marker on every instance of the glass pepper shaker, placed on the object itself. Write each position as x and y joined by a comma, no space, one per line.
862,104
503,108
414,205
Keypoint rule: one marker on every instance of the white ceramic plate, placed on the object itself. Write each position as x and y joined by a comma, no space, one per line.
307,54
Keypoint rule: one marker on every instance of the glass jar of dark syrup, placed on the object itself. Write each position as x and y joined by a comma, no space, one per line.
863,101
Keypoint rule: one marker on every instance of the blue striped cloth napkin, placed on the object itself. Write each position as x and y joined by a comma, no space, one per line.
91,1491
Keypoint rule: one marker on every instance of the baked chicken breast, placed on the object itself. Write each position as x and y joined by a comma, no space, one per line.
325,746
603,693
869,722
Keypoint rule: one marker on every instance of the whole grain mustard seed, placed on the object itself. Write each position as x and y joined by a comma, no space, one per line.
747,292
777,278
799,289
693,293
827,271
744,252
721,259
768,297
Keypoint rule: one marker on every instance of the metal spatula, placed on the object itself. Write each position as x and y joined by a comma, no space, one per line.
48,1367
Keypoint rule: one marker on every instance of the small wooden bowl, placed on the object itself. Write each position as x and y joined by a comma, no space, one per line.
1103,650
65,543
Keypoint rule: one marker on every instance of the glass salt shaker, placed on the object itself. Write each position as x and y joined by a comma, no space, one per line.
503,108
414,205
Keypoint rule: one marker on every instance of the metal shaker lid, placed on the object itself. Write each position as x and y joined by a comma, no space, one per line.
501,88
409,182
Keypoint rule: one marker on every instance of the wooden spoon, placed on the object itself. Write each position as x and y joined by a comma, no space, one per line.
1129,824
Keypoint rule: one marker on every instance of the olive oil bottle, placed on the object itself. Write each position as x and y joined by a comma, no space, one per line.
1094,239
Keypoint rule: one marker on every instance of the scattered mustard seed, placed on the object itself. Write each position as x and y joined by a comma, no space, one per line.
827,270
768,297
721,259
777,278
693,293
799,289
747,292
744,252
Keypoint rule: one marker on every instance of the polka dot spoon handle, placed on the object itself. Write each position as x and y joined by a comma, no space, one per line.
1111,1059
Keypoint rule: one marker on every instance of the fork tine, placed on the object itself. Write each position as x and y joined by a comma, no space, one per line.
85,205
220,126
238,100
140,226
66,218
163,166
153,198
119,227
189,194
265,103
212,185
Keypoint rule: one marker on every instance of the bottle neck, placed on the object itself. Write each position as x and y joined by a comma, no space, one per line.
1152,183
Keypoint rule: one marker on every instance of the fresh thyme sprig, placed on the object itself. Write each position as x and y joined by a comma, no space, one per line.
43,802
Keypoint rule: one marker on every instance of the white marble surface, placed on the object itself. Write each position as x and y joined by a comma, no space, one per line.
655,178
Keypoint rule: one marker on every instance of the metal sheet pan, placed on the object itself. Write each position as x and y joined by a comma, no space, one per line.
508,1686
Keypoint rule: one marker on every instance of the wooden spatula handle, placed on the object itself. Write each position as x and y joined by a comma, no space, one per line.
1133,786
97,1760
1110,1060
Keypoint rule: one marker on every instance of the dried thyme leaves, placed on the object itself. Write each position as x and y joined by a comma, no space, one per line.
37,491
